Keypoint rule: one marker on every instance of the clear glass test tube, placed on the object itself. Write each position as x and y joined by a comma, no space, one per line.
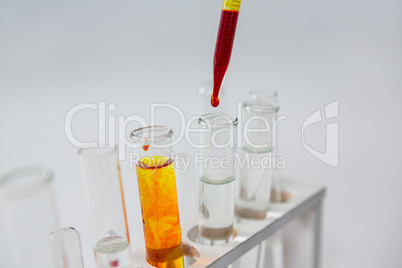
106,206
257,153
270,252
158,196
66,247
217,187
31,214
270,95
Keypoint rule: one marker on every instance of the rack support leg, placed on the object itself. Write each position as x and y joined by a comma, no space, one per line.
317,237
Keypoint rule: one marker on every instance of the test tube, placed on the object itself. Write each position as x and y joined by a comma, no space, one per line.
106,207
66,246
256,174
270,95
158,196
217,188
270,253
31,214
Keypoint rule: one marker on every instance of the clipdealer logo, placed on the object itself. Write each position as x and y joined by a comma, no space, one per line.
331,154
112,129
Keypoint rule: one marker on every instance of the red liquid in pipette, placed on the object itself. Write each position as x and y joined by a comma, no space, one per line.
223,50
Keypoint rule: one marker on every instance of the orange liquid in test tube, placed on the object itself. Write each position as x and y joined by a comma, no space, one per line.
160,211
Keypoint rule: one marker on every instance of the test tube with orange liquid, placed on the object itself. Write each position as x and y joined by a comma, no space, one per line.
158,196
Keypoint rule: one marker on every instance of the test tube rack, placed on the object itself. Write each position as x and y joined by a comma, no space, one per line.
306,197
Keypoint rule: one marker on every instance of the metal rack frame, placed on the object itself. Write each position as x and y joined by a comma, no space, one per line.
307,197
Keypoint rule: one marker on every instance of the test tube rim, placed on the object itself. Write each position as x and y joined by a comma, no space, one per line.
273,93
260,106
136,136
202,120
77,236
45,177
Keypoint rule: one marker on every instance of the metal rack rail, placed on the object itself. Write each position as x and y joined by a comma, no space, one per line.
306,197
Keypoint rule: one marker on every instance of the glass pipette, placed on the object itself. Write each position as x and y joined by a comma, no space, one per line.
224,44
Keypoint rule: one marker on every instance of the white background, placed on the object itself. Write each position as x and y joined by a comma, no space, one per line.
56,54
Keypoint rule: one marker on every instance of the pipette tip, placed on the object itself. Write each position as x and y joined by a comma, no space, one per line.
214,102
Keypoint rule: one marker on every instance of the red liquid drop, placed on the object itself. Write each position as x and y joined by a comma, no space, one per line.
114,263
223,50
145,147
214,102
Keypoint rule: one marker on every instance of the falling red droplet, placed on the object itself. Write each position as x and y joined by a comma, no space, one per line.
214,102
145,147
114,263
